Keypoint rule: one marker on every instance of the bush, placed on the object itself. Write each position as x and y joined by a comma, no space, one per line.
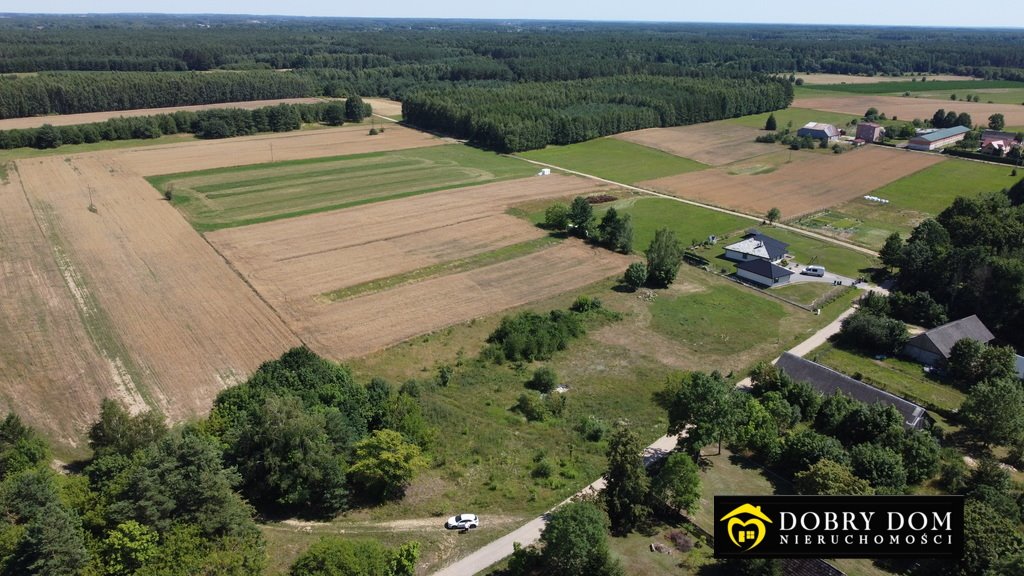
556,217
528,336
585,304
873,333
636,275
531,406
592,428
542,469
544,380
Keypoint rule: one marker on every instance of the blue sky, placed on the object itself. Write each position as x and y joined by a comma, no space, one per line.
877,12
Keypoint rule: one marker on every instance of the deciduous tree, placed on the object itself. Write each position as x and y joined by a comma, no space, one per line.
385,463
664,256
627,488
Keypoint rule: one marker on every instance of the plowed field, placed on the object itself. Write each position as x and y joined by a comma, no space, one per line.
811,181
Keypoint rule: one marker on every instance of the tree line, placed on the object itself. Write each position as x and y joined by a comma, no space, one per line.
512,118
64,93
210,124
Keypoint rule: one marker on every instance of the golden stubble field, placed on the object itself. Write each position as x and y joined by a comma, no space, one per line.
293,262
129,301
810,181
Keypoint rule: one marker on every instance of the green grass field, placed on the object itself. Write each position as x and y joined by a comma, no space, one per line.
901,377
803,292
236,196
798,116
947,86
1014,96
912,199
615,160
690,223
708,321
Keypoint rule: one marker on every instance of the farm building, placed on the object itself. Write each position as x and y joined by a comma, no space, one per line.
869,132
1019,364
938,138
763,272
756,246
829,382
932,347
819,131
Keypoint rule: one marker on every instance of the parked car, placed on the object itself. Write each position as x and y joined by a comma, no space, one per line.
814,271
463,522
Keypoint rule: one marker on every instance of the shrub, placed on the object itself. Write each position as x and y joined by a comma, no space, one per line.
528,336
542,469
681,540
556,217
544,380
873,333
592,428
531,405
585,304
636,275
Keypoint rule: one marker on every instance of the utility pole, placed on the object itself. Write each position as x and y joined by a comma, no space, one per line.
271,151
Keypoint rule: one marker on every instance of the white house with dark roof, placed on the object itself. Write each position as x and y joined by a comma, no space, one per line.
763,272
829,382
756,246
933,347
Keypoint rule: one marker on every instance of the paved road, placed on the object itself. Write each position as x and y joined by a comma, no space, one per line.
529,533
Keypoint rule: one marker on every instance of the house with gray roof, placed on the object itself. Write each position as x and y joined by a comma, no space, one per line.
933,347
756,246
818,131
763,272
829,382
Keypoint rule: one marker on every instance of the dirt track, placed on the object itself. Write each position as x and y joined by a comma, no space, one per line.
92,117
910,108
812,181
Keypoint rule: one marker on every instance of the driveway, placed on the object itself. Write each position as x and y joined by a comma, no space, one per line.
828,278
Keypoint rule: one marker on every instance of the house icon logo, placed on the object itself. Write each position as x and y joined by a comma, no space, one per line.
746,526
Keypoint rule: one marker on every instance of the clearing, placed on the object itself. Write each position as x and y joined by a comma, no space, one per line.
909,108
615,159
816,79
690,223
227,197
812,181
712,143
912,199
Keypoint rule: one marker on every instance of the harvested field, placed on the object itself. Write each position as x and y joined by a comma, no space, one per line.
238,196
910,108
714,143
845,79
145,300
348,139
91,117
812,181
292,262
367,323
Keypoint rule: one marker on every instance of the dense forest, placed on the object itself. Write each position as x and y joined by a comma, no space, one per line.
138,61
512,118
521,50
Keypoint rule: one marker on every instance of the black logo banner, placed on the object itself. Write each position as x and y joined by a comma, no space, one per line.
839,526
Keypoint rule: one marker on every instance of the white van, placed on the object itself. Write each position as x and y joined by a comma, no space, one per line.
814,271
